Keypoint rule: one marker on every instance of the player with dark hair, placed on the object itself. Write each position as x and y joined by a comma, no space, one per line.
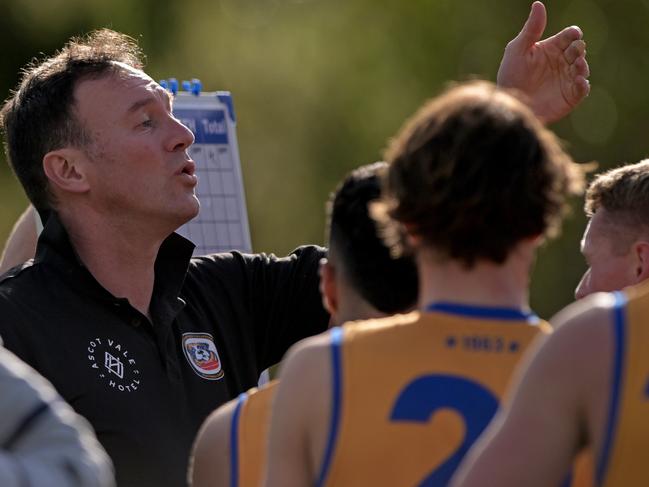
359,280
474,184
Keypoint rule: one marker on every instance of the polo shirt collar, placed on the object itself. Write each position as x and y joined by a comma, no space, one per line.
54,248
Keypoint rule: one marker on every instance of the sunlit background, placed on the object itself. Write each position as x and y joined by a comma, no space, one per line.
320,85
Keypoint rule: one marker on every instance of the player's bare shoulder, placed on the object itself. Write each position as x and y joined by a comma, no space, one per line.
594,307
582,329
305,360
585,324
582,345
211,452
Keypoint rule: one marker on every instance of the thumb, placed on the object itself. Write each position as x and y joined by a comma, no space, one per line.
533,28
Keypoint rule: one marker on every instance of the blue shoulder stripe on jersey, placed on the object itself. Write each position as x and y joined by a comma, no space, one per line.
489,312
234,440
619,333
336,393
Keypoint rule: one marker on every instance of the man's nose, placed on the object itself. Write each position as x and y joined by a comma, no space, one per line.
181,137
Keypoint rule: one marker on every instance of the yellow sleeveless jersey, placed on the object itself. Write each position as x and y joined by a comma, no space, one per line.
623,457
249,435
412,393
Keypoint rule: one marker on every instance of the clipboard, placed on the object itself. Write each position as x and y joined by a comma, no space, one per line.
222,222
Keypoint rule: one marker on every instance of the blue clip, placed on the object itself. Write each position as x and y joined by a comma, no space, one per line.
163,83
197,86
187,86
173,86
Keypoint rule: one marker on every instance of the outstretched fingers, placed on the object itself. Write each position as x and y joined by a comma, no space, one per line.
575,50
565,38
580,68
580,89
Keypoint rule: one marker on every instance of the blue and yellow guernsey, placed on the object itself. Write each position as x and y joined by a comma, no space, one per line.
623,457
249,436
412,393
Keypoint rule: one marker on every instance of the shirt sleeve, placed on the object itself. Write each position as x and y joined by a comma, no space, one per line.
42,440
261,304
289,306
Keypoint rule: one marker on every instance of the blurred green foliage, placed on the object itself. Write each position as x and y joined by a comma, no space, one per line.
320,85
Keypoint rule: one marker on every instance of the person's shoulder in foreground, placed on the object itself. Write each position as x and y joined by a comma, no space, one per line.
42,441
585,387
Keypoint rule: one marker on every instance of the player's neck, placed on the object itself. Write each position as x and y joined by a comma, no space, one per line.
484,284
360,310
121,258
352,306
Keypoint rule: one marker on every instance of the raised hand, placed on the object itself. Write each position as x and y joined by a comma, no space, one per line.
552,72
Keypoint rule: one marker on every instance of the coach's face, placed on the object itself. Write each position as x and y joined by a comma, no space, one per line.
138,165
614,257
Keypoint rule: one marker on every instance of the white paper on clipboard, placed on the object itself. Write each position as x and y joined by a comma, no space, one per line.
222,223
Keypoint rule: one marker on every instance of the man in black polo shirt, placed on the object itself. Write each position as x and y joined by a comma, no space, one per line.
138,337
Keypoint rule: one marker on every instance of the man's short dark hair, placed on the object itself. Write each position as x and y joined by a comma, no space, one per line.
387,283
39,116
473,173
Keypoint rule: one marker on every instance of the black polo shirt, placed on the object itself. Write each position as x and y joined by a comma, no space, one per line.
217,322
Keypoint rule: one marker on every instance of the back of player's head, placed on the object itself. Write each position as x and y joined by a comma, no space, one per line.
473,172
388,284
39,116
623,192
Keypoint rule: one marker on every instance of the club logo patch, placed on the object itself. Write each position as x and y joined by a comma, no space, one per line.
201,354
113,364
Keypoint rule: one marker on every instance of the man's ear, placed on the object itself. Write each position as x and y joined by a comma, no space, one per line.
328,287
65,170
641,250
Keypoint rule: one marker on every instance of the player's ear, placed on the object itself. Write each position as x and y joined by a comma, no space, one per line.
328,287
64,169
538,239
534,241
413,238
641,250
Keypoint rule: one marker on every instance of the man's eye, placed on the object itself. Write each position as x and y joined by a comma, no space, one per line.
147,123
